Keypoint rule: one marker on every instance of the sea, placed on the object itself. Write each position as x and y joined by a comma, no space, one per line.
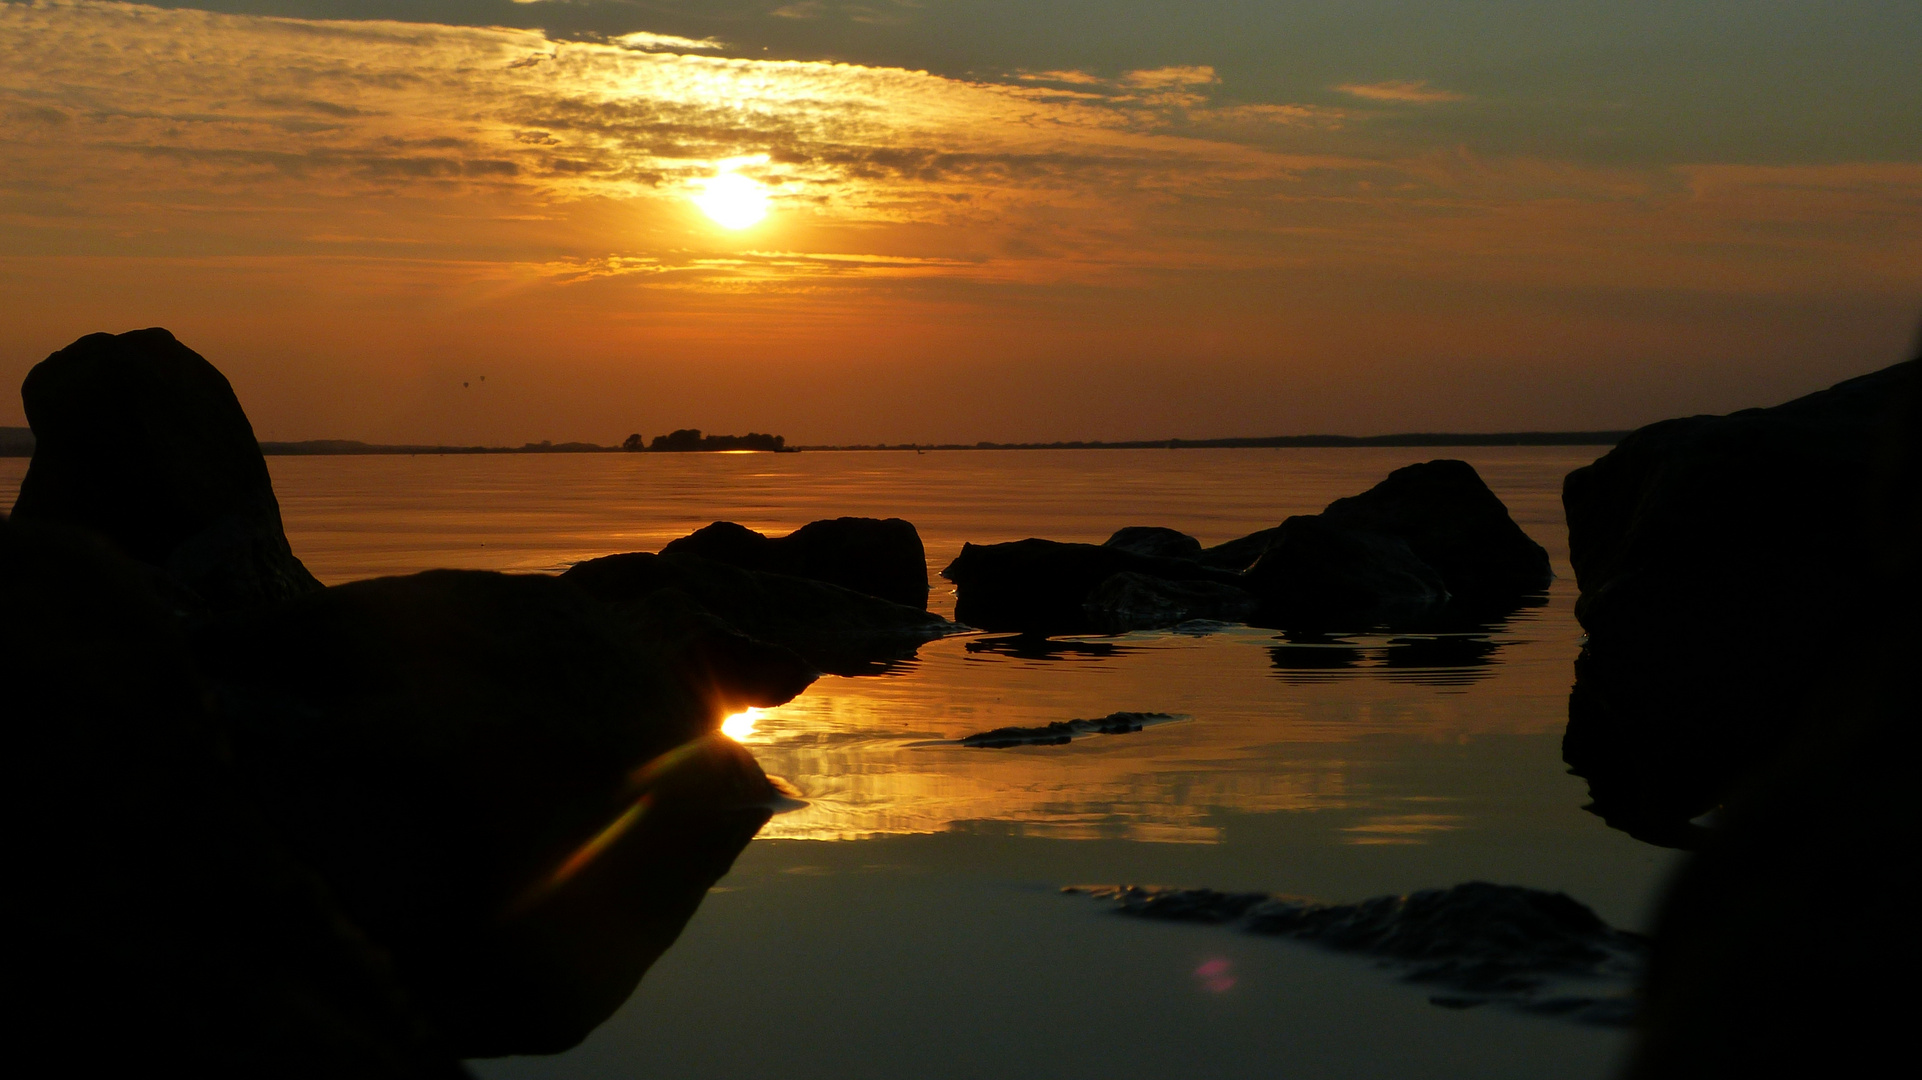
908,920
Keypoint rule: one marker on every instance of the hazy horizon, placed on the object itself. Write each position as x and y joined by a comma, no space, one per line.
1099,221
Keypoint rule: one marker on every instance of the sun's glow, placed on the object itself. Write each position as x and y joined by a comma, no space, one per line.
732,200
739,726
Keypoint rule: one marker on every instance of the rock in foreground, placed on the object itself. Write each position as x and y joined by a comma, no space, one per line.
512,794
160,918
1536,951
876,556
1043,586
140,439
1729,567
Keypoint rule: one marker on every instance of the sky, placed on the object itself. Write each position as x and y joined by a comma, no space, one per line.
461,222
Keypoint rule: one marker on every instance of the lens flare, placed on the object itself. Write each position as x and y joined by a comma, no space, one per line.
739,726
732,200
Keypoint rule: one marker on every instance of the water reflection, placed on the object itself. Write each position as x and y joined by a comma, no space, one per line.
1450,660
1037,647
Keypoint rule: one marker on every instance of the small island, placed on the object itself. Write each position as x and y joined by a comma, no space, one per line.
690,440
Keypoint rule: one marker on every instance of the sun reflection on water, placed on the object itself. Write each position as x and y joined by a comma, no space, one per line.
739,726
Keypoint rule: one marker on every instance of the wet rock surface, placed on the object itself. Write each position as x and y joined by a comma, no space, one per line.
1043,586
162,919
507,790
141,440
1156,541
1066,731
1134,601
1729,566
1475,943
878,556
837,630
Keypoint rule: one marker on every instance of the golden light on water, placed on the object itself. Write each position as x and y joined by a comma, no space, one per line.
739,726
732,200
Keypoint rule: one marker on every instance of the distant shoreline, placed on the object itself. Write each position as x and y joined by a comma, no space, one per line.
18,442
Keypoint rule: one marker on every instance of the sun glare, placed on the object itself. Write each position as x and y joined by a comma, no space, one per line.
732,200
739,726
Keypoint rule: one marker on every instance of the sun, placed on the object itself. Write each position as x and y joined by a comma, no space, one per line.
732,200
739,726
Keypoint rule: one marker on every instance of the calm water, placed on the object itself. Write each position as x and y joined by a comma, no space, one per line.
906,921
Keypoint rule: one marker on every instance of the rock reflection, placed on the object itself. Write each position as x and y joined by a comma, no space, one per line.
1037,647
1443,660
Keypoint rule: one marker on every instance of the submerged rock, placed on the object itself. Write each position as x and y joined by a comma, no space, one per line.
1729,566
1134,601
1042,586
515,796
141,440
878,556
1537,951
160,918
837,630
1156,541
1065,731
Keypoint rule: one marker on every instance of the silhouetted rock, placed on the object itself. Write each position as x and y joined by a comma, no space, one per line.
1065,731
1450,520
880,557
1134,601
505,785
837,630
158,919
1041,586
1239,554
1154,540
1728,565
141,440
1537,951
1322,574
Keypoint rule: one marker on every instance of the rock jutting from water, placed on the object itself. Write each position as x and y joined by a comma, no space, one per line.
362,830
1429,540
837,630
879,556
141,440
1729,567
1066,731
1535,951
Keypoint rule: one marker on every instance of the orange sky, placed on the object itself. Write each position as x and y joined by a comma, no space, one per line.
353,218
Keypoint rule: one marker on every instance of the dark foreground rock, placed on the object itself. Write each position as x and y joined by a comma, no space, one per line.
1042,586
838,630
878,556
159,918
1479,943
1065,731
142,441
503,786
1729,567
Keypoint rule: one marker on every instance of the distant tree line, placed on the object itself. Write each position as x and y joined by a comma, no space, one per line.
691,439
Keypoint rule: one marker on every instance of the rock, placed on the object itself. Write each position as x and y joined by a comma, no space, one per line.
879,557
142,441
1450,520
511,792
1536,951
1317,573
1729,566
835,629
1065,731
1040,586
159,918
1133,601
1158,542
1239,554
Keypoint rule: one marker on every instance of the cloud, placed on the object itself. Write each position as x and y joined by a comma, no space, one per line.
1163,78
645,41
1408,92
